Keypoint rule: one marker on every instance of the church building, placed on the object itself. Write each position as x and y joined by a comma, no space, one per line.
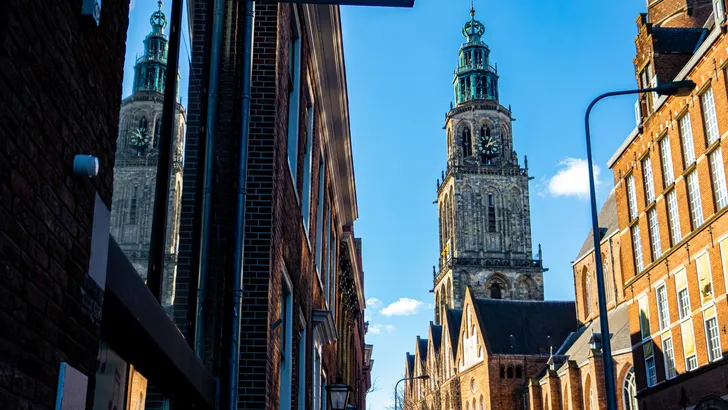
492,329
137,153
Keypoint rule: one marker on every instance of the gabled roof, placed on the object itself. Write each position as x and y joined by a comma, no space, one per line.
436,332
678,40
454,316
578,350
608,224
410,364
422,345
524,327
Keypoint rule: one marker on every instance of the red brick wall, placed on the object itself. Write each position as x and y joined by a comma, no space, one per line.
679,13
664,122
60,93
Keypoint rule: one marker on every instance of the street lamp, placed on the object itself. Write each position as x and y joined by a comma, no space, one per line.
423,377
680,89
339,393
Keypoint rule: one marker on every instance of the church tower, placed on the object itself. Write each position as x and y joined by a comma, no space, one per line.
483,200
137,153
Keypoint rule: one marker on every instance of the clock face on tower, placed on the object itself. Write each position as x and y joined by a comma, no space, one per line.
487,147
140,138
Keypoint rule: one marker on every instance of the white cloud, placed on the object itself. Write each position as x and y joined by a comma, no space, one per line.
402,307
572,179
374,303
132,5
375,329
389,328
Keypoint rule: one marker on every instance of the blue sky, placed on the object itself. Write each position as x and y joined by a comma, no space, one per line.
553,58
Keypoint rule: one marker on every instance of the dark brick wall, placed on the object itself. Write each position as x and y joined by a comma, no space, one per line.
60,91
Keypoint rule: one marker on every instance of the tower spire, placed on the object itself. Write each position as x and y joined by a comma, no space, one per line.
472,9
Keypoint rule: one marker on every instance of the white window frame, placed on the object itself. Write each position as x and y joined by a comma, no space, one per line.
709,337
320,215
316,375
648,180
717,171
632,198
647,310
668,356
719,11
639,262
286,372
707,103
302,369
654,228
668,174
294,97
650,365
327,273
307,158
708,303
673,217
696,206
686,139
663,307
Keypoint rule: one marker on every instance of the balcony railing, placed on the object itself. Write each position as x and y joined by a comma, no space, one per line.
475,66
482,170
158,57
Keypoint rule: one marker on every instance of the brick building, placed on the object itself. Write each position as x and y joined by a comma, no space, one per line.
573,377
671,198
77,315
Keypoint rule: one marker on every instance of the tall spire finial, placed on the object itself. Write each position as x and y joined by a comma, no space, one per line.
472,9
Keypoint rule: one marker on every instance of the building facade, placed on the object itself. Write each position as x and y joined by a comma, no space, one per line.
137,153
487,272
671,195
483,198
302,302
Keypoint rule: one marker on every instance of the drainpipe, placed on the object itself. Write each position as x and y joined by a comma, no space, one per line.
208,161
614,276
237,277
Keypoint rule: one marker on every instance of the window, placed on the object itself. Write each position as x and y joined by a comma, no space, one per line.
495,291
696,208
666,156
629,391
669,356
302,370
637,245
491,213
724,257
683,298
316,389
644,318
509,372
286,326
663,312
717,170
133,204
673,218
648,80
320,213
588,288
631,198
712,335
654,229
704,281
592,400
519,372
334,263
719,10
324,404
686,137
608,277
158,133
709,118
327,274
294,93
467,142
308,143
648,180
651,375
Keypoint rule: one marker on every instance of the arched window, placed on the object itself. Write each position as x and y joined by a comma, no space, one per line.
592,399
467,406
588,293
157,133
437,306
509,372
502,372
143,123
467,142
608,278
482,403
479,87
519,372
484,131
524,290
491,213
629,391
133,204
495,291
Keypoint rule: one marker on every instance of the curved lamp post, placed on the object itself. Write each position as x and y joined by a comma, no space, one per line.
678,88
423,377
